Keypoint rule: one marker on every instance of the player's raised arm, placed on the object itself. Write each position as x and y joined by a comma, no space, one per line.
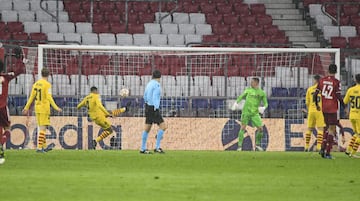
81,104
242,96
264,100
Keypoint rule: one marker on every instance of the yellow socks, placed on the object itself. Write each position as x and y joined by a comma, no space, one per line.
41,139
307,139
116,112
103,135
319,140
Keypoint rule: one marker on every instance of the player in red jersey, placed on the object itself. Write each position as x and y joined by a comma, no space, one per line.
4,112
330,89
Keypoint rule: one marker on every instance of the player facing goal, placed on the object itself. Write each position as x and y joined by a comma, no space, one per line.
196,82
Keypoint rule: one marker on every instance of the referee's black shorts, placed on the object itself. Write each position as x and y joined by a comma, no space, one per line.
152,116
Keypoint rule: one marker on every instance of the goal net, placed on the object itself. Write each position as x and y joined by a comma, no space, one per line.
196,83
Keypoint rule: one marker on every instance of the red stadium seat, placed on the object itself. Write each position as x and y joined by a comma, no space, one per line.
224,8
355,20
86,5
227,38
233,71
306,3
100,27
354,42
257,9
220,29
338,42
248,20
331,9
101,59
350,10
212,18
120,6
98,18
72,5
20,36
116,27
263,20
254,30
279,40
145,17
344,20
112,17
210,38
3,26
262,39
188,7
229,18
205,7
271,30
106,6
139,6
135,28
358,30
133,18
244,39
15,27
146,70
78,17
241,8
154,6
236,29
38,38
169,6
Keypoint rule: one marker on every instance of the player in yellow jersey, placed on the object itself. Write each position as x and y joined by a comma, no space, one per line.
98,113
352,96
41,93
315,117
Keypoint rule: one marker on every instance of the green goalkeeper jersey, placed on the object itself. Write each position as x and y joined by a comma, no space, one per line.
253,97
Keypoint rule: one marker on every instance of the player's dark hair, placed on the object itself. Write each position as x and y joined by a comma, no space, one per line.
45,72
317,77
256,79
357,78
332,68
93,89
1,66
156,74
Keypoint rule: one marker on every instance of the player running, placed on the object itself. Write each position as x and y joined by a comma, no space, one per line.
315,117
329,88
152,96
253,97
353,97
4,111
99,114
41,93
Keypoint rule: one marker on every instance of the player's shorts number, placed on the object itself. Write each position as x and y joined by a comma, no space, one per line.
327,91
355,102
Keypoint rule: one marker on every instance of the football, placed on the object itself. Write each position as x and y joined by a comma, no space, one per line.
124,92
2,161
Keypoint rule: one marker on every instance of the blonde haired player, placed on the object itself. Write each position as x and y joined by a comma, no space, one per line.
352,96
98,113
41,93
315,117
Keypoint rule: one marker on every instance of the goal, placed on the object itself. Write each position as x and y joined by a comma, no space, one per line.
197,83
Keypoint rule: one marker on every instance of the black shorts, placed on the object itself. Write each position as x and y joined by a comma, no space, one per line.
152,116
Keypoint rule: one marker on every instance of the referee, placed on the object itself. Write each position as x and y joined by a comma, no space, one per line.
152,113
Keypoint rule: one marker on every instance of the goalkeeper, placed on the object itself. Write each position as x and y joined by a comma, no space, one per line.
253,97
98,113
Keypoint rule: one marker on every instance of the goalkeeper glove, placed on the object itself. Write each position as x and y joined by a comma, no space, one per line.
261,110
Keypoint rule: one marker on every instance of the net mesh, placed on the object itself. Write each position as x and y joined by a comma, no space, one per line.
194,84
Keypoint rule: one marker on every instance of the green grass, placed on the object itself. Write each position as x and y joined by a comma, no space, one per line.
176,175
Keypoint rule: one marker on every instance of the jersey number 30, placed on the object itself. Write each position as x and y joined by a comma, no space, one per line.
327,91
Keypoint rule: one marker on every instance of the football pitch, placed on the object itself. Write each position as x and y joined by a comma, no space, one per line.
177,175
